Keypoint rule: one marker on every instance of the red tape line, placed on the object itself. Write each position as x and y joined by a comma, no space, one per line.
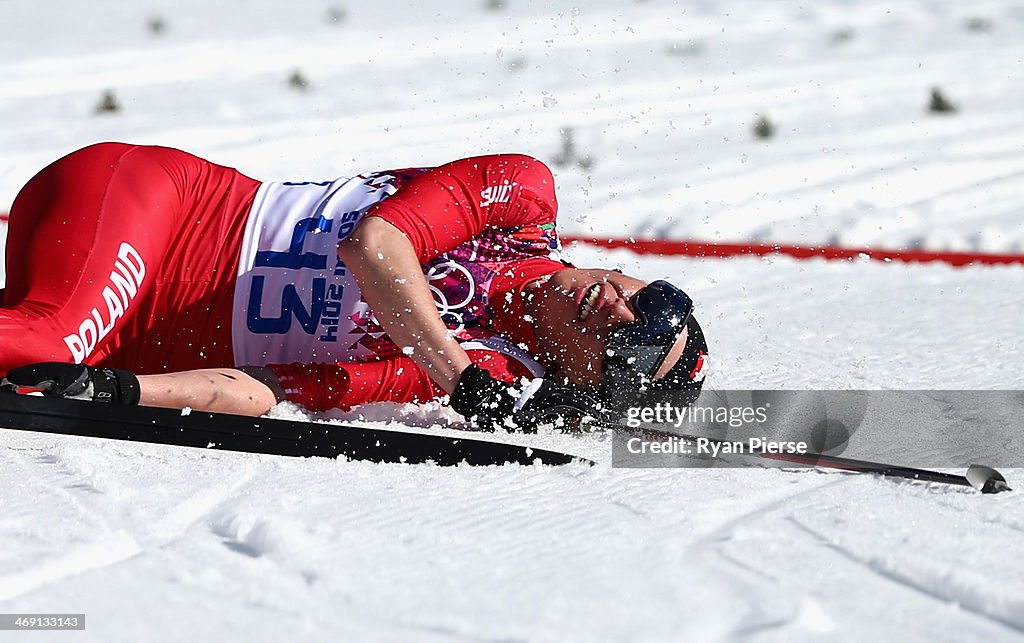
713,249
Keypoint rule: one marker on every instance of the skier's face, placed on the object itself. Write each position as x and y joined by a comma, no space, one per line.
574,312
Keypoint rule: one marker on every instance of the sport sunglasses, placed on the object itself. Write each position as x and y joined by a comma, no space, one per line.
634,353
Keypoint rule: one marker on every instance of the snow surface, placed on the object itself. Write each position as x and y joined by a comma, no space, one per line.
164,543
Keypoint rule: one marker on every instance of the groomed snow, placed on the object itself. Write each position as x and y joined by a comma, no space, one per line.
163,543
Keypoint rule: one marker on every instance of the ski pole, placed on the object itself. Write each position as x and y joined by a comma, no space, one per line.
984,479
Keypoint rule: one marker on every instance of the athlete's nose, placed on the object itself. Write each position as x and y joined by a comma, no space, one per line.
619,315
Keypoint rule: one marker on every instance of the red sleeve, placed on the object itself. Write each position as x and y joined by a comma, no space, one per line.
319,387
453,203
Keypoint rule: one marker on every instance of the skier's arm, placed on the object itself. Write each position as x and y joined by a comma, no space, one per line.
391,280
319,387
244,391
432,214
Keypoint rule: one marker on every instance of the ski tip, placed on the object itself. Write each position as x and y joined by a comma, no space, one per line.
986,479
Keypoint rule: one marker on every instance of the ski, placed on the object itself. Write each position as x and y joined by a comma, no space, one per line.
980,477
308,439
259,435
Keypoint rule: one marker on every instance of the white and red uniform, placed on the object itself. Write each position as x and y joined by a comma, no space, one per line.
154,260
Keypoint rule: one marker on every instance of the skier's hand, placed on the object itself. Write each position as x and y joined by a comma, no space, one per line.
73,381
491,404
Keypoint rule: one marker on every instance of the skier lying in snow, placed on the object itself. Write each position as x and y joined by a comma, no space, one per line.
227,294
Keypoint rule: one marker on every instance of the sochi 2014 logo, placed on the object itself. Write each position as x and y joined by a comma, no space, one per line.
453,289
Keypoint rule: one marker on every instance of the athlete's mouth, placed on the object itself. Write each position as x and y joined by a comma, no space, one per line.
590,298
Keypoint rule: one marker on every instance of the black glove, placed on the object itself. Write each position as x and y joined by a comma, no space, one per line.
491,404
73,381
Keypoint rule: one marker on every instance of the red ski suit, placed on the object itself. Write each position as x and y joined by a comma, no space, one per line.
125,255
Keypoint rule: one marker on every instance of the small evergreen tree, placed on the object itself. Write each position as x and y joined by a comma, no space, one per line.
840,36
569,156
336,15
939,104
156,25
764,128
978,24
108,103
298,81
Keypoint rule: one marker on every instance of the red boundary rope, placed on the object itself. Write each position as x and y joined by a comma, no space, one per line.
714,249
